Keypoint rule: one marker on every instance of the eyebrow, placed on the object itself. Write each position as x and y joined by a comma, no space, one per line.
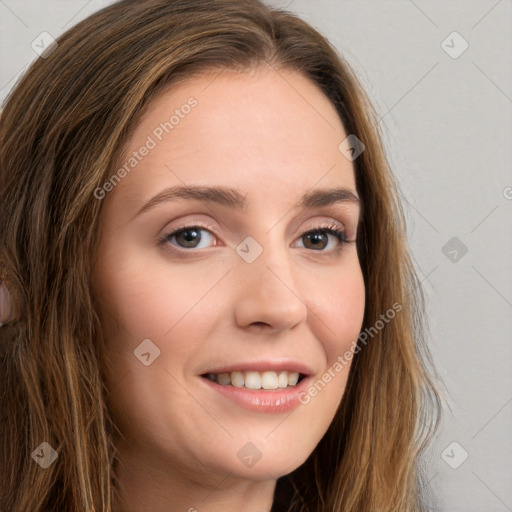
232,198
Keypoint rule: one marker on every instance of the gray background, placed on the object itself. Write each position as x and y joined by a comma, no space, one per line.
447,126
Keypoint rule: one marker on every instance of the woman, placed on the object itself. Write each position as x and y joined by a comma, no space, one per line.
281,365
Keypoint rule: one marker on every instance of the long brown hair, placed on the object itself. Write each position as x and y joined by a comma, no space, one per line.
62,131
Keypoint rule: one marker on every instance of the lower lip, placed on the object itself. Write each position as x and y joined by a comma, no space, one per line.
268,401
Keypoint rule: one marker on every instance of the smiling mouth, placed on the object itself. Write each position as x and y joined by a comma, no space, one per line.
256,380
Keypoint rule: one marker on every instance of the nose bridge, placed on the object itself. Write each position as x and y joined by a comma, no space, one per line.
268,284
265,259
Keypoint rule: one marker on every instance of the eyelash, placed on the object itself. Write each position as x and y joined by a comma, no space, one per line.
328,228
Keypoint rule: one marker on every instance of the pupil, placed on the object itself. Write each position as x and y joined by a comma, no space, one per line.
189,235
316,238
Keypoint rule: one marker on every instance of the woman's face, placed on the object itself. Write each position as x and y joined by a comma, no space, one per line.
242,289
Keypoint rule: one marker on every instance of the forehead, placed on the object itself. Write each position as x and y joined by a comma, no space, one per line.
268,130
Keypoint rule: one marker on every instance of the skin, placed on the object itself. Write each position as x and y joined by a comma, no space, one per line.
210,307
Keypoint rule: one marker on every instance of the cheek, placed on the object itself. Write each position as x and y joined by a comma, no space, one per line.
146,301
342,312
142,302
135,293
337,316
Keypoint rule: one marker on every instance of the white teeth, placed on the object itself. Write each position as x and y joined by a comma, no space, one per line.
283,379
269,380
293,378
256,380
252,380
237,379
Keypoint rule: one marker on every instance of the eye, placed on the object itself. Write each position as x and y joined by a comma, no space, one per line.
188,237
191,237
318,238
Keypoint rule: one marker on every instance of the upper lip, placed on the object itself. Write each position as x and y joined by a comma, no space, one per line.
261,366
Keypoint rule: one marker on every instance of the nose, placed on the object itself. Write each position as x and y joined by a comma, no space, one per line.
268,293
